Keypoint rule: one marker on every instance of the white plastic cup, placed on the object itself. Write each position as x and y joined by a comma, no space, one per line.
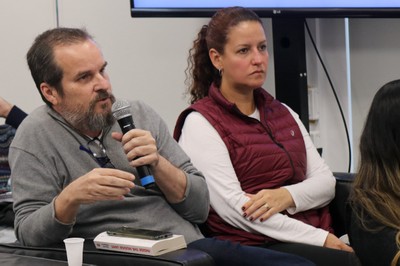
74,247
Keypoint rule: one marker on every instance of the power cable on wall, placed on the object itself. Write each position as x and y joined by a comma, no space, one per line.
334,93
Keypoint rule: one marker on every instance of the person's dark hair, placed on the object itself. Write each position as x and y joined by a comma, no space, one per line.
200,72
377,183
40,56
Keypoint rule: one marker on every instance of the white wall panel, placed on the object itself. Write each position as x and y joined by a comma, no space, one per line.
375,57
20,22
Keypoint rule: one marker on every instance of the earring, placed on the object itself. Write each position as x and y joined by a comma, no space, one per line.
220,71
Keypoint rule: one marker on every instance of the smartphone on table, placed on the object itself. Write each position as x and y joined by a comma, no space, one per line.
127,231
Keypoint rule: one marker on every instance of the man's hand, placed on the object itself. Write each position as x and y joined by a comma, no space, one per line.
98,185
140,147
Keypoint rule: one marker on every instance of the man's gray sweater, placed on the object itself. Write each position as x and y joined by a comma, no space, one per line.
45,157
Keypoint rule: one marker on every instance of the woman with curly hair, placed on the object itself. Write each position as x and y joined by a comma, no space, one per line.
268,185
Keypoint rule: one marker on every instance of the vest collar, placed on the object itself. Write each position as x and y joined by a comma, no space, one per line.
262,98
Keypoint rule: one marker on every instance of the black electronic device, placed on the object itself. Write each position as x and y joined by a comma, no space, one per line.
127,231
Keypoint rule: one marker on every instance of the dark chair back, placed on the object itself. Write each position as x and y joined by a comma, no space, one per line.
338,205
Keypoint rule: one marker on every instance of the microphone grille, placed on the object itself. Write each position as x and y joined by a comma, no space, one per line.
121,109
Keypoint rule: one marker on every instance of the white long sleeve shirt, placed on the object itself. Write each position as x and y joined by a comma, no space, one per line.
210,155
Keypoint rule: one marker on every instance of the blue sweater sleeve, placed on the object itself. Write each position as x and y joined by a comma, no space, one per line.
15,117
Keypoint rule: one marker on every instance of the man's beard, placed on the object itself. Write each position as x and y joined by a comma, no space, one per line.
87,120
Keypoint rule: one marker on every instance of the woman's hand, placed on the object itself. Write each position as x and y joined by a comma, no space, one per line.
333,242
266,203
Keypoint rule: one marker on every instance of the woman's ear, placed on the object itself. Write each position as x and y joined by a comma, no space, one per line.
216,58
49,93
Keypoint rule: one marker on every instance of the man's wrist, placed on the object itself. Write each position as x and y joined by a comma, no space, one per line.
5,110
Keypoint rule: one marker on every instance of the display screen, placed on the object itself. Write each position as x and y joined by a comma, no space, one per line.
272,8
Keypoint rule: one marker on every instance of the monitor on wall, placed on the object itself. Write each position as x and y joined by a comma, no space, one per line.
269,8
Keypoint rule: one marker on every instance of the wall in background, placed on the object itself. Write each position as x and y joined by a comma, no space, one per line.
375,59
330,38
147,59
20,22
372,59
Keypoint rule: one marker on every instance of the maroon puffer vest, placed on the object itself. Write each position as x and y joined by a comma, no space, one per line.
265,154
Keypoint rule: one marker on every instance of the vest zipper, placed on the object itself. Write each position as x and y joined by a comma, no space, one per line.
280,145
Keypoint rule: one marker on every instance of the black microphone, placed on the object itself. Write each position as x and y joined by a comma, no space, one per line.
121,112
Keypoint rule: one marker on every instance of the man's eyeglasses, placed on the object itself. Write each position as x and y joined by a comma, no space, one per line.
96,149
